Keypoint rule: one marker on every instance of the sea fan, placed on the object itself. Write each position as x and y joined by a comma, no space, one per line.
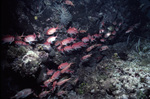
65,16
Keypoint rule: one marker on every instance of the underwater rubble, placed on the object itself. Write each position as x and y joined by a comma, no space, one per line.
83,50
115,78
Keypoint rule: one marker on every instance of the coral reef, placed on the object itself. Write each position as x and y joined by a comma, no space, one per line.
84,49
25,60
116,78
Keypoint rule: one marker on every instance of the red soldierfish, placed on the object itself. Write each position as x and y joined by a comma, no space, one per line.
19,37
85,39
78,45
66,68
51,39
96,35
50,72
46,83
114,23
72,31
107,34
68,48
63,65
59,47
51,31
105,47
113,33
92,39
101,31
30,38
86,57
129,30
92,47
54,76
47,43
61,50
20,43
62,82
54,85
76,80
69,71
60,93
68,2
102,23
8,39
23,93
120,23
43,94
102,40
57,43
68,40
83,31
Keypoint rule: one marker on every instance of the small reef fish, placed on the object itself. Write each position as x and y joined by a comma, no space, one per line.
113,33
68,40
97,35
69,71
59,48
63,65
46,43
129,30
50,72
23,93
54,76
72,31
68,2
114,23
101,31
78,45
66,68
92,39
68,48
19,37
82,31
107,35
85,39
92,47
60,93
103,48
76,80
51,39
8,39
102,40
30,38
62,82
86,57
43,94
20,43
57,43
51,31
54,86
